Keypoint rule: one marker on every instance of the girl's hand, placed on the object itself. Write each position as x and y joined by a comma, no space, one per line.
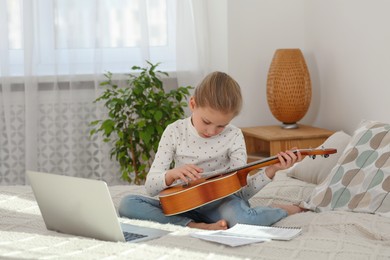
185,173
286,160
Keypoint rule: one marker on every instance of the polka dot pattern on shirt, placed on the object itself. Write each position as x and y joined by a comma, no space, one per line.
182,144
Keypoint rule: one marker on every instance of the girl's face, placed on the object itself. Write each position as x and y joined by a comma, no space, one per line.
208,122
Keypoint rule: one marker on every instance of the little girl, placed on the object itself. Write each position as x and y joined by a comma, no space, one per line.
206,142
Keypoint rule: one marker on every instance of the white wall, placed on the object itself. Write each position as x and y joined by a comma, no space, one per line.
346,45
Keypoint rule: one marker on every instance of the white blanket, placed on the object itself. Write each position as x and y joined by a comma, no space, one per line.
328,235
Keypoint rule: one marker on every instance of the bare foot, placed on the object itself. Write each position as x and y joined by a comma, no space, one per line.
291,209
219,225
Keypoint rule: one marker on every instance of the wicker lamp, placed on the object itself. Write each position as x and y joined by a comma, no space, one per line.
288,87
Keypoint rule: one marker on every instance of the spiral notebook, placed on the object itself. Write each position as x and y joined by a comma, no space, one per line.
242,234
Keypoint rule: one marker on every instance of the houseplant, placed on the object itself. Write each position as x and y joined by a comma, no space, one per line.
136,118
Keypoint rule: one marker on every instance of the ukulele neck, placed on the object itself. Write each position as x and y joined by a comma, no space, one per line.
244,170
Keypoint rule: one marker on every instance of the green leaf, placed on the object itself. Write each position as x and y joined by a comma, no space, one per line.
160,130
145,136
158,115
93,123
141,123
145,157
108,126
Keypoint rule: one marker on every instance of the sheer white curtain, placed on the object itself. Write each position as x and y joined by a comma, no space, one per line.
192,42
53,54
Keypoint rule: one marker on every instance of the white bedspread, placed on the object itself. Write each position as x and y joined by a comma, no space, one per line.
329,235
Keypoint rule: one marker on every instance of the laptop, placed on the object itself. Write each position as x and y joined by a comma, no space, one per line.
83,207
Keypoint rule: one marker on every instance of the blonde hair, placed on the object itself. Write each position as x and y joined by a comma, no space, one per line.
219,91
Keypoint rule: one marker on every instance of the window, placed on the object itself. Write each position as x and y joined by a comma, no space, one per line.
89,36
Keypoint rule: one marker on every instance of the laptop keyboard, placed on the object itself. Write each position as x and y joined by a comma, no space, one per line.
129,236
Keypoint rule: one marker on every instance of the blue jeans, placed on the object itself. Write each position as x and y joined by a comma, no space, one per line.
233,209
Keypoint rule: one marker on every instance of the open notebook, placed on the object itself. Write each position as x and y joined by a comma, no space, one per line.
242,234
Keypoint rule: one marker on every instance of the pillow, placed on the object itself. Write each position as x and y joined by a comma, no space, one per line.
360,181
282,190
315,171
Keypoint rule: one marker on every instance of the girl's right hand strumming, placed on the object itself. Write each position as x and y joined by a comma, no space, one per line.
185,173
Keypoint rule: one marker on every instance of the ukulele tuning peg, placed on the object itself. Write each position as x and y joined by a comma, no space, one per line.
324,155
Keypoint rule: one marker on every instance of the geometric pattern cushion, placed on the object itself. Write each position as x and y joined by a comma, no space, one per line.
316,171
360,180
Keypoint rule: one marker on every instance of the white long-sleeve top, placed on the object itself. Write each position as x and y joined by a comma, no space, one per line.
181,144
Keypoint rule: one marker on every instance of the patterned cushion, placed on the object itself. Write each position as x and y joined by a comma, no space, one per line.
360,181
282,190
316,171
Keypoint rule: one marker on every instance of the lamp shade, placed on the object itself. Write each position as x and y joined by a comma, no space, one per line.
288,87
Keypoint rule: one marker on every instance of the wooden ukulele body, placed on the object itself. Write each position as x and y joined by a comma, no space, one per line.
179,199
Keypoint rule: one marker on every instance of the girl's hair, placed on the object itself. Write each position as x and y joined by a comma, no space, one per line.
220,92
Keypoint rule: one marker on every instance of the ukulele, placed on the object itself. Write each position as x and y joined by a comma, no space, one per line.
213,186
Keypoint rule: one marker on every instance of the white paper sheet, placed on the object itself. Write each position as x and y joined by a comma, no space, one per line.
242,234
221,238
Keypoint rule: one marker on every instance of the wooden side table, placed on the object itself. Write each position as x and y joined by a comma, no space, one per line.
265,141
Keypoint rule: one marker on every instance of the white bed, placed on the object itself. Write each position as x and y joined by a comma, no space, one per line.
328,234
